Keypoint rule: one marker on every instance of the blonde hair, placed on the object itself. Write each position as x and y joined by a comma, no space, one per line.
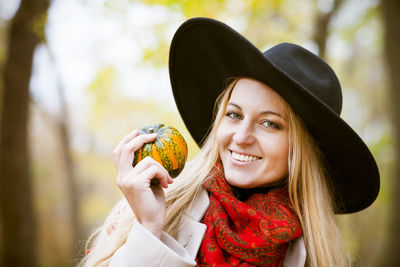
311,194
308,185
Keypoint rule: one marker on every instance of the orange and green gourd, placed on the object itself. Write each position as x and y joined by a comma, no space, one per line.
169,148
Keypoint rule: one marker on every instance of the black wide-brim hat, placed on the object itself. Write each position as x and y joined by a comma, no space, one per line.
204,53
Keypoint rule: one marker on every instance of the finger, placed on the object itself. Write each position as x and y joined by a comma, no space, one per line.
140,181
127,151
125,140
124,180
156,172
147,162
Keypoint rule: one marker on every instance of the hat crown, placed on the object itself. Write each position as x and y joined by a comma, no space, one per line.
309,71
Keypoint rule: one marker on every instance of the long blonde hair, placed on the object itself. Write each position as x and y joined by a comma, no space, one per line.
308,185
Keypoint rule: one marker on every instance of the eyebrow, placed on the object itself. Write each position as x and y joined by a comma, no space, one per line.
262,112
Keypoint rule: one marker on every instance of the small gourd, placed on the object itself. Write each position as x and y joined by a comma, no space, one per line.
169,148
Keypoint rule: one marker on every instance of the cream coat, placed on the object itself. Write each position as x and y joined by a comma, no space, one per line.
144,249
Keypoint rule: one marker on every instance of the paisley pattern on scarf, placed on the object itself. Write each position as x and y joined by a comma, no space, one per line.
255,232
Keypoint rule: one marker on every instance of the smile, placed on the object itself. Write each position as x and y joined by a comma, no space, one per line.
244,158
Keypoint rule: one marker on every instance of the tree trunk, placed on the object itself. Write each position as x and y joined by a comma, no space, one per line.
72,187
391,18
16,197
321,27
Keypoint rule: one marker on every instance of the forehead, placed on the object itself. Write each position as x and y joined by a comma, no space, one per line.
252,93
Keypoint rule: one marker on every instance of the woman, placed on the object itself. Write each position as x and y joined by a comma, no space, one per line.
276,163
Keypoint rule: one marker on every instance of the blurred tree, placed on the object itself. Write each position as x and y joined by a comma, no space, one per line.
355,51
3,27
16,199
321,27
391,18
62,125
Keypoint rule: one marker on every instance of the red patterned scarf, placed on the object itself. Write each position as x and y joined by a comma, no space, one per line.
255,232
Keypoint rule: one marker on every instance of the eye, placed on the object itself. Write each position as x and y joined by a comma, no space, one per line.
233,115
270,124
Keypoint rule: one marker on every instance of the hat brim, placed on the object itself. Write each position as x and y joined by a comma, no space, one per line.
204,53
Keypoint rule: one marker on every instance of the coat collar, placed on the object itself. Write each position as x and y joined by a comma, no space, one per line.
191,230
199,205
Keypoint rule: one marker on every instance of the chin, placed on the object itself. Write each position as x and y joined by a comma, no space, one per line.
235,183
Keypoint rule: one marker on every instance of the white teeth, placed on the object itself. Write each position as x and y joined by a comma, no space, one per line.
241,157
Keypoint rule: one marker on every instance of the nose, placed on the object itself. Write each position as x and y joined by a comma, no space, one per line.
244,134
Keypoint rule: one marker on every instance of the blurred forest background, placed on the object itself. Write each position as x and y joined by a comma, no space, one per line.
77,75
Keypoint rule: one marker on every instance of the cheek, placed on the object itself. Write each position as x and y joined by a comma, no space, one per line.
221,135
278,151
218,136
284,152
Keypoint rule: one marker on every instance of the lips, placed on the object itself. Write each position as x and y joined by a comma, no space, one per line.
243,157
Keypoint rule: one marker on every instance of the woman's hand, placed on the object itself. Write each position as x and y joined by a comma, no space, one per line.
146,201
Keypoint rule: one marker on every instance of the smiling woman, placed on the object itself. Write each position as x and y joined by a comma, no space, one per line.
275,165
253,136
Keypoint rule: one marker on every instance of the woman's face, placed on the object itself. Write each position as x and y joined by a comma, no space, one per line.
253,136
